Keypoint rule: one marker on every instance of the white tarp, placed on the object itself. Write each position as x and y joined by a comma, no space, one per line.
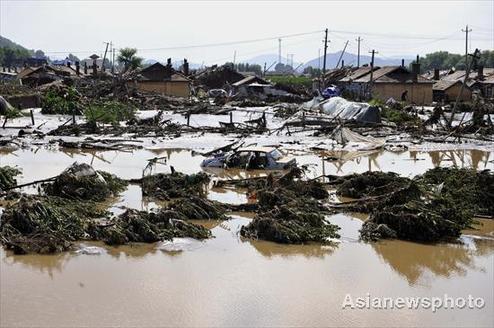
356,141
347,110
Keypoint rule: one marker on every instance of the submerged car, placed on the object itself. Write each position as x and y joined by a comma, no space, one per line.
268,158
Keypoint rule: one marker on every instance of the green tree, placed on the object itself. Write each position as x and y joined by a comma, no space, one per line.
129,59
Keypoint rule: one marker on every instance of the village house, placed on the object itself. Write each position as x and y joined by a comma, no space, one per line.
448,87
163,79
396,82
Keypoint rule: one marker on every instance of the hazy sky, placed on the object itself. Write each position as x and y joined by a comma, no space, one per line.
391,27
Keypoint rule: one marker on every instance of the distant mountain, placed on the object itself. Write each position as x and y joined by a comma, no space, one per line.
268,59
351,59
6,43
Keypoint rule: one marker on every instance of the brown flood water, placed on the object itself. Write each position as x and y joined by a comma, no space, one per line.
229,281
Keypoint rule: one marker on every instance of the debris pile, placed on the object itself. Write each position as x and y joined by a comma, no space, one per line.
289,211
167,186
7,177
50,224
80,181
149,227
198,208
432,207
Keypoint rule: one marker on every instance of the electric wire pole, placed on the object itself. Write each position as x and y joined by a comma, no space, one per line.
279,51
324,62
325,51
358,51
373,52
466,31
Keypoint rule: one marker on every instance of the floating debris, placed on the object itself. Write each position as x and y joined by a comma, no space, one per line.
179,245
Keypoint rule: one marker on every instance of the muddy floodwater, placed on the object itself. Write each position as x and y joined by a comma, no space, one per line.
231,281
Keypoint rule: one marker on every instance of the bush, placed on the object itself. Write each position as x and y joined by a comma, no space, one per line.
109,112
65,101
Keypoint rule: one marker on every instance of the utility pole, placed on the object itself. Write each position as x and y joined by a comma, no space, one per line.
325,51
358,51
319,59
341,55
469,65
289,59
466,31
104,57
373,52
234,57
279,51
113,59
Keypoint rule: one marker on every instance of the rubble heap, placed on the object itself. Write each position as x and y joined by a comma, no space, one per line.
435,206
166,186
50,224
289,211
81,181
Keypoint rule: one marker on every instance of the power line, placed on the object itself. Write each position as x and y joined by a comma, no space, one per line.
208,45
399,36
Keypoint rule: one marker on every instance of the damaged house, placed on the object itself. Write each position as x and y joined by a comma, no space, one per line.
218,77
257,87
36,76
164,80
447,88
387,82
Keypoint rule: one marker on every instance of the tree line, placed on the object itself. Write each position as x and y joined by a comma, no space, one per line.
444,60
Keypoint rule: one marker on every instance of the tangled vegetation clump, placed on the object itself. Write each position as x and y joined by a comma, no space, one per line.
50,224
46,224
290,212
166,186
472,189
435,206
198,208
7,177
149,227
81,181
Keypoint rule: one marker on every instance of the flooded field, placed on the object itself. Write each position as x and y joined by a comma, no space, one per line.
231,281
